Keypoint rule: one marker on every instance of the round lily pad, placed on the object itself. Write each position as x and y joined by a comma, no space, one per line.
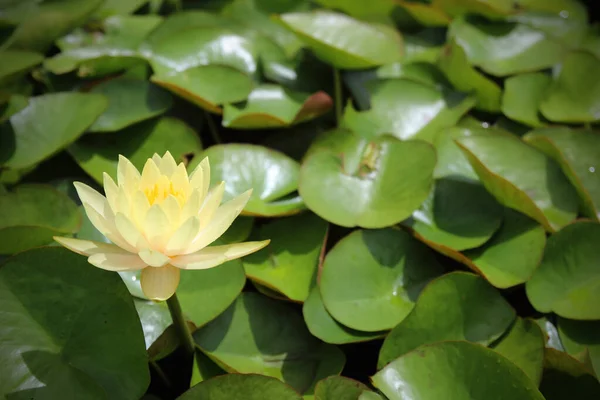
350,181
522,97
581,339
568,280
68,327
339,388
456,306
17,62
462,371
384,272
241,387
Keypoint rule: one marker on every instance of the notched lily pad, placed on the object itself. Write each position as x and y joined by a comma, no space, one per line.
522,97
241,387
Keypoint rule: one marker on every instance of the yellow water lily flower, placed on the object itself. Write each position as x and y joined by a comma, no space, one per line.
160,221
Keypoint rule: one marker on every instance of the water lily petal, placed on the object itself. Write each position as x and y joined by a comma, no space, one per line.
90,197
211,204
168,165
103,255
127,173
221,221
212,256
180,181
172,210
130,232
157,227
183,236
160,283
88,247
191,207
139,208
111,190
153,258
106,226
150,175
200,178
157,160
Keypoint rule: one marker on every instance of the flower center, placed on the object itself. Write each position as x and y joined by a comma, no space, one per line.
161,189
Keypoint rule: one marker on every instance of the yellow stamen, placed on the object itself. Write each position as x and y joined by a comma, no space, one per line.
161,189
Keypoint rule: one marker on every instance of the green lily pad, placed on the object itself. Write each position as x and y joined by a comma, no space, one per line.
350,181
97,154
41,23
98,54
524,346
486,43
272,106
513,253
204,368
573,97
241,387
16,63
322,325
15,103
32,214
343,41
581,339
543,193
462,371
129,101
453,62
34,133
457,214
565,377
374,10
289,263
260,335
456,306
208,86
425,13
522,97
384,272
155,319
368,395
451,162
487,8
271,175
407,110
77,330
339,388
119,7
578,153
568,280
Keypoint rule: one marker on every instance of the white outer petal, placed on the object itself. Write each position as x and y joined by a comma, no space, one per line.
103,255
213,256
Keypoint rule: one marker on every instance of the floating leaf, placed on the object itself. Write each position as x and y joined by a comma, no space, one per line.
16,63
568,280
77,330
457,214
523,95
322,325
564,378
462,370
456,306
350,181
97,154
260,335
451,162
574,97
343,41
486,44
581,339
35,133
119,7
339,388
578,153
524,346
289,263
425,13
487,8
272,106
384,272
543,193
241,387
407,110
32,214
129,101
272,176
155,319
453,62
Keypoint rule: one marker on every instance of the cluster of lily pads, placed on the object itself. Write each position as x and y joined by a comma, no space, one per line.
428,173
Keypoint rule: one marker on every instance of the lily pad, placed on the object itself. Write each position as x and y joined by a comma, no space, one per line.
513,253
289,263
34,133
457,214
462,371
581,339
456,306
568,280
384,272
272,106
522,97
339,388
573,97
241,387
578,153
119,7
343,41
543,193
407,110
16,63
486,43
77,327
155,319
97,154
260,335
32,214
487,8
129,101
322,325
524,346
565,377
453,62
451,162
350,181
271,175
425,13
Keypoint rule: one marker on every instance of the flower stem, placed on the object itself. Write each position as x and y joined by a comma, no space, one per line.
180,325
337,81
